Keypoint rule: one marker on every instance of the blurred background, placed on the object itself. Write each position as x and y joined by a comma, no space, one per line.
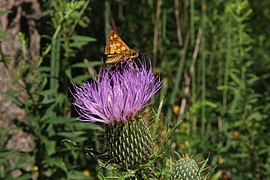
213,58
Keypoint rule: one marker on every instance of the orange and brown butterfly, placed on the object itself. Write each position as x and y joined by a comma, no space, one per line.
117,51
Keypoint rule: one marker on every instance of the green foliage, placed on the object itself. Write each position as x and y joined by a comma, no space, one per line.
48,105
214,98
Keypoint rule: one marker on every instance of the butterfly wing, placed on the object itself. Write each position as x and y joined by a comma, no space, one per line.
116,58
115,45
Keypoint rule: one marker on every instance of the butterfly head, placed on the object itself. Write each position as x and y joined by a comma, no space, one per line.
133,54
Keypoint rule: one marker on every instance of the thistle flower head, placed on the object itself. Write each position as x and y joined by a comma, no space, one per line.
116,95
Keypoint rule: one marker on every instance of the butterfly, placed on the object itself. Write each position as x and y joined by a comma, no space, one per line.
117,51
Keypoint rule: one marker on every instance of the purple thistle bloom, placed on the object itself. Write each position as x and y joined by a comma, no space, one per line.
116,95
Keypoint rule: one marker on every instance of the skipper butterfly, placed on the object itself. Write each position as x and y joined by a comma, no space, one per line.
117,51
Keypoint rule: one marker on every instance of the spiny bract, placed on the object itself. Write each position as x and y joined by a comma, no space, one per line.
185,169
129,144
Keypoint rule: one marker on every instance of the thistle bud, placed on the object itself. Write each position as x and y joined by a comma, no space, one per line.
129,144
185,169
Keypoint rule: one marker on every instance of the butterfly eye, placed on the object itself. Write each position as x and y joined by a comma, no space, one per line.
133,53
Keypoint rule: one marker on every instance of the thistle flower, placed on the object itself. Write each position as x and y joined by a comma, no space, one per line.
116,95
115,99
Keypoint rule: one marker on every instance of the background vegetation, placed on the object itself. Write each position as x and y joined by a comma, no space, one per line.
213,57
